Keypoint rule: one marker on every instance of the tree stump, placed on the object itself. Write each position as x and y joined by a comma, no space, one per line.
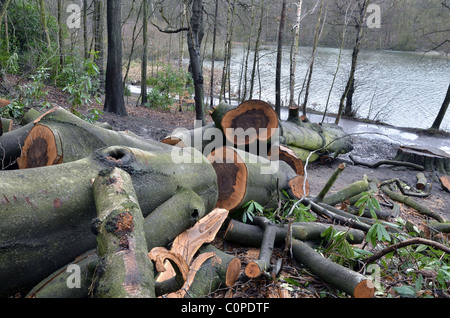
432,159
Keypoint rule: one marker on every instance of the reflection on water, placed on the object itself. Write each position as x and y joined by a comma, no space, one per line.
399,88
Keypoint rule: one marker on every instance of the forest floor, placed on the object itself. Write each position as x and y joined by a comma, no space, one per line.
155,125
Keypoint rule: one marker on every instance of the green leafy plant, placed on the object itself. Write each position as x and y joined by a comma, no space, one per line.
251,208
338,248
168,84
81,83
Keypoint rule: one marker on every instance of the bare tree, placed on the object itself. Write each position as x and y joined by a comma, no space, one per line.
350,87
279,60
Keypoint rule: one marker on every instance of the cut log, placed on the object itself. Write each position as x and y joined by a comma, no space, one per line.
211,269
252,235
60,137
7,125
173,217
251,121
304,155
46,212
347,192
56,285
198,138
342,278
257,267
243,177
286,154
421,181
432,159
124,269
301,136
30,116
330,182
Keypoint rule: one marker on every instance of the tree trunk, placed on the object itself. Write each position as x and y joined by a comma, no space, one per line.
213,57
440,117
344,279
256,51
431,159
124,269
98,37
251,121
317,37
252,235
294,53
243,177
350,86
114,98
3,11
43,18
194,39
279,60
144,55
49,224
61,137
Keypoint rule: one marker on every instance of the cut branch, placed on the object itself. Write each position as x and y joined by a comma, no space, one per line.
124,270
414,241
342,278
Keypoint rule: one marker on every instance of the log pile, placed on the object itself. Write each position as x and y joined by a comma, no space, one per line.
137,218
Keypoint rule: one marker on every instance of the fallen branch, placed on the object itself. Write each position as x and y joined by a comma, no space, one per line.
255,268
342,278
411,203
387,162
414,241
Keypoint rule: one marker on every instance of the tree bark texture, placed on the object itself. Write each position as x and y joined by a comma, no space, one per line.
61,137
46,212
344,279
114,96
124,269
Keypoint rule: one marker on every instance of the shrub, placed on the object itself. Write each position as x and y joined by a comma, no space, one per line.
168,84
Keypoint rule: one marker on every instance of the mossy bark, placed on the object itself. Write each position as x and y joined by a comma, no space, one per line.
46,212
124,269
342,278
61,137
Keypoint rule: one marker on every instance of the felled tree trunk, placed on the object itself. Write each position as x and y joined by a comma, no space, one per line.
430,158
60,137
254,117
342,278
124,269
198,138
46,212
243,177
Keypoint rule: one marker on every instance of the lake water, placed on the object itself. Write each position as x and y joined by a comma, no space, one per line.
404,89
